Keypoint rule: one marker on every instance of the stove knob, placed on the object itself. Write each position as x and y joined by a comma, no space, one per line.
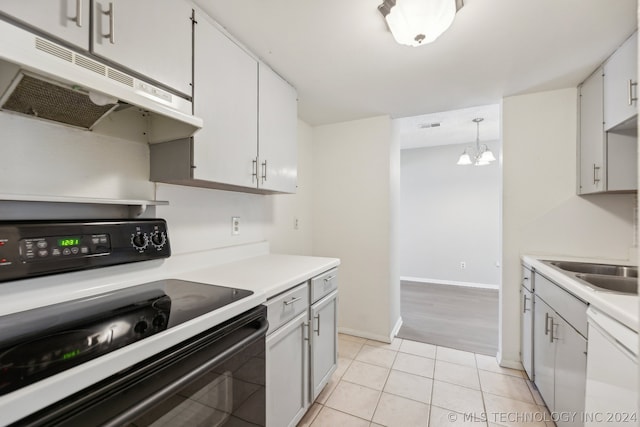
141,327
139,241
158,239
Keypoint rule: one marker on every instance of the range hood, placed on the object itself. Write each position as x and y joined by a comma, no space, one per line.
44,80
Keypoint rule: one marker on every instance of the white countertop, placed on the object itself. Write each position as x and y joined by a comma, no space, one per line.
623,308
264,274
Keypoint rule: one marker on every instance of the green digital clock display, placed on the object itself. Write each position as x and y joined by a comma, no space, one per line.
68,241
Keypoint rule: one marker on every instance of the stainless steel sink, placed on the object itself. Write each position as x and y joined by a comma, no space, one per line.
601,277
625,285
601,269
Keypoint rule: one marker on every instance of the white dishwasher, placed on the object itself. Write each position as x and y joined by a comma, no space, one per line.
612,372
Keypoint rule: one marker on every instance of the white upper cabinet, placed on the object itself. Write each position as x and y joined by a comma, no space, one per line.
67,20
150,37
620,84
277,140
225,96
592,137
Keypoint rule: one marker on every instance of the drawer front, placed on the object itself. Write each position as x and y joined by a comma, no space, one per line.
324,284
572,309
527,278
284,307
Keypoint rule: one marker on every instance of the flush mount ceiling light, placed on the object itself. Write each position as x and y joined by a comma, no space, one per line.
419,22
480,155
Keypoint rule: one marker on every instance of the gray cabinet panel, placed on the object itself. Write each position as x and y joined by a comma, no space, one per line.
544,353
527,330
324,342
570,371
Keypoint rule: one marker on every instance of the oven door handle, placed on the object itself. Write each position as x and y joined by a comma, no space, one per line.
141,407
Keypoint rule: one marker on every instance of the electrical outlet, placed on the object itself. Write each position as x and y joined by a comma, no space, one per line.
235,225
463,265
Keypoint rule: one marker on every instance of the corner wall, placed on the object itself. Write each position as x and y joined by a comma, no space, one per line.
354,173
541,212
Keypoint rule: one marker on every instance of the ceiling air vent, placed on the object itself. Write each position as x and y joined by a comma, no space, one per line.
430,125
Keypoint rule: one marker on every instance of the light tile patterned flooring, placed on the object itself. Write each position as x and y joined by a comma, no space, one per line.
411,384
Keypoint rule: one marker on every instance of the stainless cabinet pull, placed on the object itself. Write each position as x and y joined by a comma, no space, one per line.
306,332
292,300
595,178
524,279
551,337
630,91
524,304
79,13
546,323
264,170
317,330
254,168
110,13
328,279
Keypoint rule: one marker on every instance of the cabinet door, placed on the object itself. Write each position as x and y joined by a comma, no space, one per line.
527,331
324,342
67,20
622,161
543,352
149,37
620,73
592,148
278,132
570,371
287,374
225,96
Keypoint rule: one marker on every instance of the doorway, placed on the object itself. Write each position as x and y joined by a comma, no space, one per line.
450,222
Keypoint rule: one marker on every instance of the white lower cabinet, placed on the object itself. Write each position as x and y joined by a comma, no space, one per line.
324,349
287,352
301,347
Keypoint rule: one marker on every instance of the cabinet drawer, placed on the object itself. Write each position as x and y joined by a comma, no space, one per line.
286,306
572,309
324,284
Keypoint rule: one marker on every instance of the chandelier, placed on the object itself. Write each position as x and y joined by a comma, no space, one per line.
480,155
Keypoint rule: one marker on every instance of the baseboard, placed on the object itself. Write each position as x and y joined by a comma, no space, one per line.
450,282
366,335
512,364
396,328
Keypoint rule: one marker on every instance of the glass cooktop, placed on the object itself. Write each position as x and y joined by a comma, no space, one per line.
38,343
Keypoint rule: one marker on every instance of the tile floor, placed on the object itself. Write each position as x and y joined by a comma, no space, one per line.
407,384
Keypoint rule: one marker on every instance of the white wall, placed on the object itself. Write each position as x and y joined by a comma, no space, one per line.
541,212
284,209
449,214
353,167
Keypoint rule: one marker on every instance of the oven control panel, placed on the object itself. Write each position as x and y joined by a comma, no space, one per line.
36,248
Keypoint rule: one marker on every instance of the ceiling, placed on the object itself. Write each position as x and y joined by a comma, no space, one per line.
346,65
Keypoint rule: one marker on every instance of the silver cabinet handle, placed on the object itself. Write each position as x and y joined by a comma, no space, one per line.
595,178
328,279
264,170
524,279
524,304
546,323
79,13
317,330
306,331
254,174
551,337
292,300
110,13
630,91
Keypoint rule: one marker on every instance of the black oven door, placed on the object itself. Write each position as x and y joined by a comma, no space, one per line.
215,379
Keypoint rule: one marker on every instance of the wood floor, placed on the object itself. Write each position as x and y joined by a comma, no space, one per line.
450,316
